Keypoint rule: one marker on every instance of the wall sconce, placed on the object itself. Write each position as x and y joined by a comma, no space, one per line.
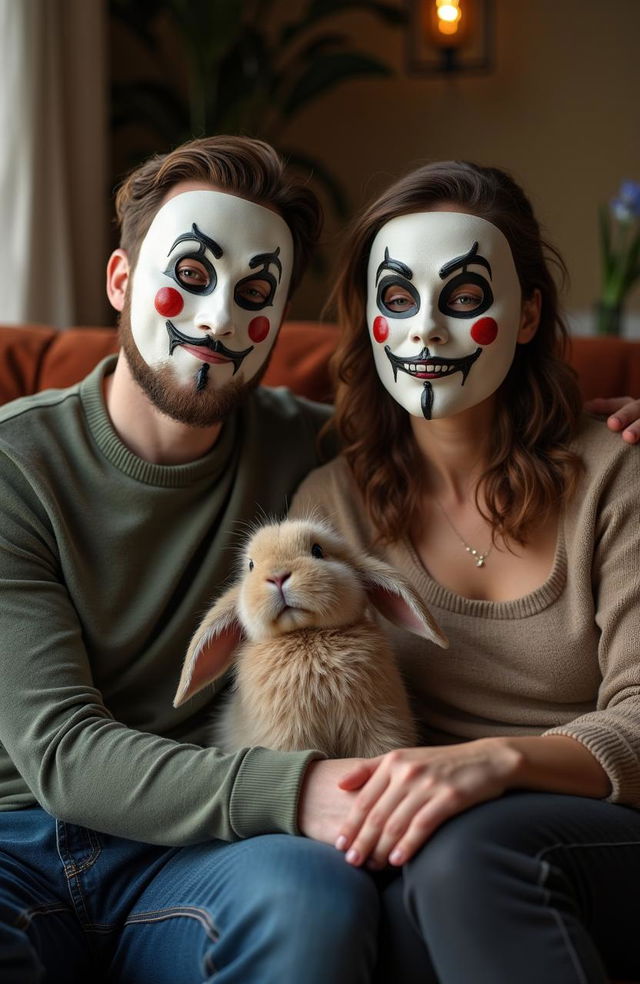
449,36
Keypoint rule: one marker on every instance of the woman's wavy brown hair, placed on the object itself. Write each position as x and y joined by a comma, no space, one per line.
531,468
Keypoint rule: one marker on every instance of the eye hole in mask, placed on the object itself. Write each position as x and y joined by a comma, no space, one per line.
193,272
466,296
397,297
255,292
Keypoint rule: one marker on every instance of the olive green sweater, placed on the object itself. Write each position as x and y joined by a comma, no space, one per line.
107,562
564,659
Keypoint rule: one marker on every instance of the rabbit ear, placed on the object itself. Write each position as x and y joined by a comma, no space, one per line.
212,647
397,601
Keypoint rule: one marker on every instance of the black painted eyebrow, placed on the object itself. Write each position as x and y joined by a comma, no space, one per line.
201,237
264,259
463,261
390,264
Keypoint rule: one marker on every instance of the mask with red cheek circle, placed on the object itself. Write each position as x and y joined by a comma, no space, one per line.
210,287
443,310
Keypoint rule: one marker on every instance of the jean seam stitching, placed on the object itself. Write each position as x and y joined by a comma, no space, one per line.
545,868
577,846
78,869
71,868
209,965
173,912
24,919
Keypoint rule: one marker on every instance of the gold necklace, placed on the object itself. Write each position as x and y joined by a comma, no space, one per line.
477,556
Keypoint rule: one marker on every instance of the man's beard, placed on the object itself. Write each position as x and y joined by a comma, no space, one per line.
183,402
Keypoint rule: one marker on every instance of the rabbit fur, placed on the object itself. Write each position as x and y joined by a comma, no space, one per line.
312,668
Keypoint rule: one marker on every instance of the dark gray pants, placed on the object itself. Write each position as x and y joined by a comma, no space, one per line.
532,888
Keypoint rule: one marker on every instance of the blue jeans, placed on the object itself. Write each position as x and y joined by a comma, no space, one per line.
75,904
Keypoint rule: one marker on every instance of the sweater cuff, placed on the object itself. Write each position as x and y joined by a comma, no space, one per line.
615,755
266,790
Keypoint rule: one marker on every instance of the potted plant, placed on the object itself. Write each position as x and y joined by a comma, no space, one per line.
620,245
237,73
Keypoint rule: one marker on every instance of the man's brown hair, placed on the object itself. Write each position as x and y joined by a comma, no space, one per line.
242,166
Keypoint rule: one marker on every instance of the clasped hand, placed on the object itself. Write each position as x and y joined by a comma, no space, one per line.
381,811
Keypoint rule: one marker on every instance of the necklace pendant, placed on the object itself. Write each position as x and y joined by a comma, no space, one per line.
478,557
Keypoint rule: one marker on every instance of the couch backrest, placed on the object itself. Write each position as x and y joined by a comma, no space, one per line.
36,357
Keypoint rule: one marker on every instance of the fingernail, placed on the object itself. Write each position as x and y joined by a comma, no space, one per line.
395,857
341,842
352,856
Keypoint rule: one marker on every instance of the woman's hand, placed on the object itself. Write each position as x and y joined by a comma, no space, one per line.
623,415
405,795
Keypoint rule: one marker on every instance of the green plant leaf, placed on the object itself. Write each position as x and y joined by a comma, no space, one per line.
244,82
631,268
392,13
151,104
322,43
294,66
605,235
208,27
318,10
317,171
139,17
325,73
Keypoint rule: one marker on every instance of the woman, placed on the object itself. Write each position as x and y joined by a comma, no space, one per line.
468,465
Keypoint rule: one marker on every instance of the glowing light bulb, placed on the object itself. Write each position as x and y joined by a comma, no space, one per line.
449,15
447,12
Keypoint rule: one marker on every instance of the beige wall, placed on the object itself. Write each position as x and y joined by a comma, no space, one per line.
560,111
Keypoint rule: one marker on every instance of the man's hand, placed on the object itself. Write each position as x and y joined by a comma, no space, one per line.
623,415
326,797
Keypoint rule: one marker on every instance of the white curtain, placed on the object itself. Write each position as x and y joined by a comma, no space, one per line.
53,161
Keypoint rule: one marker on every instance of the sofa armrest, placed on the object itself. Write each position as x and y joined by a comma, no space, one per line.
22,352
73,353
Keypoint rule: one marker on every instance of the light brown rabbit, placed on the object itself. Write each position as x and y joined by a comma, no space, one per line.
313,669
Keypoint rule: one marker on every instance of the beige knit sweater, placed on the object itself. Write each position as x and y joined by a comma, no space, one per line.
564,659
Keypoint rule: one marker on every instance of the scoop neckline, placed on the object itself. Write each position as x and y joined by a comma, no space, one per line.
527,605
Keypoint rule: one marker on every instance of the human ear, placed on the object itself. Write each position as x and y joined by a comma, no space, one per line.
117,278
530,317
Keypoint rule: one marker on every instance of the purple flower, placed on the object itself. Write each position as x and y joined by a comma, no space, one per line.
626,206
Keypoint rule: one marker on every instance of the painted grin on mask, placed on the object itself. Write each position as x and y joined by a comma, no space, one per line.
427,366
176,337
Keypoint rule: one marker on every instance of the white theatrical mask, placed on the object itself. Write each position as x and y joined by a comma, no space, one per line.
210,287
443,310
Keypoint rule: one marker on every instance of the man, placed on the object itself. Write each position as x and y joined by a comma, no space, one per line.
125,843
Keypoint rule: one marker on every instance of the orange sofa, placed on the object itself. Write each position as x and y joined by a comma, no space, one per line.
36,357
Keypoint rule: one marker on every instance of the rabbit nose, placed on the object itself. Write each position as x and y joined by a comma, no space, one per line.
279,579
